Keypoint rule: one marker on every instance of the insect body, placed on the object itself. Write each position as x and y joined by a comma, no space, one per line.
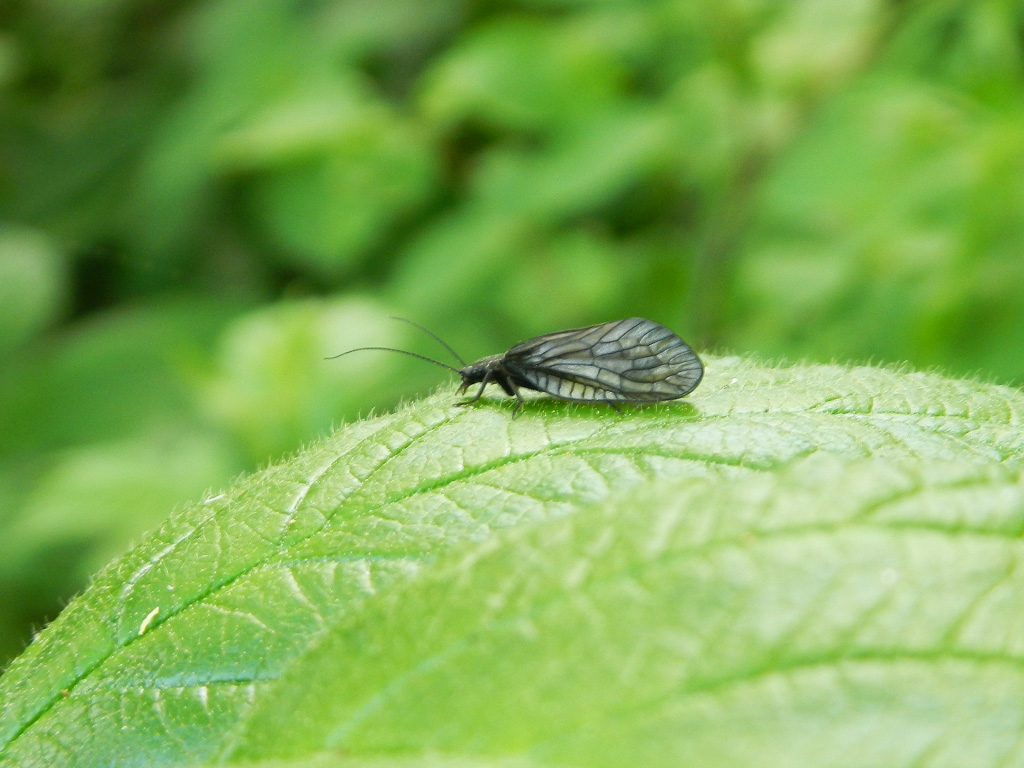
622,361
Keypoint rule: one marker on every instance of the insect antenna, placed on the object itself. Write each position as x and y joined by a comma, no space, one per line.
399,351
433,335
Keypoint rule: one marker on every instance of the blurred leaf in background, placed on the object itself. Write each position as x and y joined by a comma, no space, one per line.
33,281
199,201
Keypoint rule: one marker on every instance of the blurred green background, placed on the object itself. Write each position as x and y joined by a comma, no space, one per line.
201,200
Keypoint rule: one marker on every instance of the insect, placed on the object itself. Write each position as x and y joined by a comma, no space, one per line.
622,361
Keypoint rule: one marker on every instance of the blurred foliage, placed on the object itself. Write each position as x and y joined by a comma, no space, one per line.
199,201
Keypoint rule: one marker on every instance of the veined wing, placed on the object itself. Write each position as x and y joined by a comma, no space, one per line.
634,360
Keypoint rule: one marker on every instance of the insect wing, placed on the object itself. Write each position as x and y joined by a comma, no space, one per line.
634,360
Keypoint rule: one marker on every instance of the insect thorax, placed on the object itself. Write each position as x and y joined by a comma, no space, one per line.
482,369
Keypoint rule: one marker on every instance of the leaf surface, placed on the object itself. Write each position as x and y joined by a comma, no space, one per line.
790,560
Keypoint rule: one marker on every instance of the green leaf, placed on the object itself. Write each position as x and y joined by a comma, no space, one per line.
116,375
599,163
523,74
337,170
697,623
332,760
888,210
77,510
272,387
800,565
32,285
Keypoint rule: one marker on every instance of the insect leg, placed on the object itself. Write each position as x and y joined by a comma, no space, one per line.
613,405
479,392
518,405
519,397
509,385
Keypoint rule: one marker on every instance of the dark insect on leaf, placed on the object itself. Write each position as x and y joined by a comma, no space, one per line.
623,361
